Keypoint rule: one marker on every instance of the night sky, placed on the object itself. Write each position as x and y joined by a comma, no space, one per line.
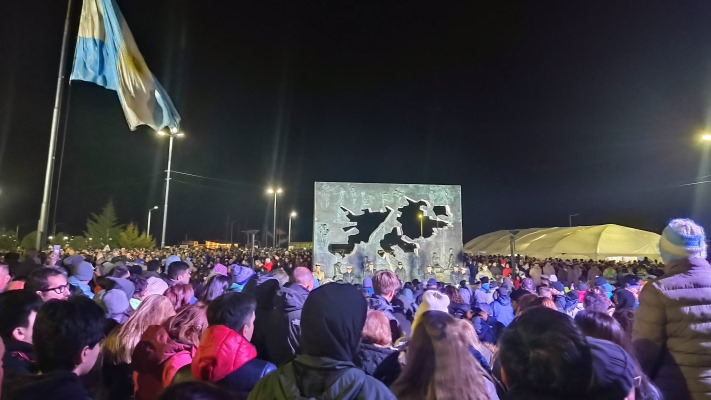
537,109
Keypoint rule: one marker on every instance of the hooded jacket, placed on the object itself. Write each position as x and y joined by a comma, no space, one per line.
83,287
672,330
502,310
156,359
56,385
19,358
331,323
282,339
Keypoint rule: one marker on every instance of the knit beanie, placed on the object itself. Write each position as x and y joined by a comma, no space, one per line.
432,300
613,368
682,238
84,271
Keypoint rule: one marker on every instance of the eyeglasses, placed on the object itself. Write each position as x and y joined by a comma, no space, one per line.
57,290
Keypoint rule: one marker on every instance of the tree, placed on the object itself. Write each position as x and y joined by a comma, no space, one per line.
103,229
29,241
131,238
8,242
79,243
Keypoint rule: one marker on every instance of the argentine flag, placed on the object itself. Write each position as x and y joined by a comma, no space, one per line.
107,55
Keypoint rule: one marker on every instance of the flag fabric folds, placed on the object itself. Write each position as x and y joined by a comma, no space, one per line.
107,55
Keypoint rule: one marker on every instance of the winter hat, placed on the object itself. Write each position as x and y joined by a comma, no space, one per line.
518,293
84,271
241,274
553,278
125,286
116,303
529,285
582,286
432,282
135,269
614,370
156,286
484,279
432,300
558,286
682,238
220,269
503,291
171,260
367,282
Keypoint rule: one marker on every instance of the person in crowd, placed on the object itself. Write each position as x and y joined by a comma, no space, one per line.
430,284
318,273
178,272
215,286
349,275
152,268
192,390
79,282
481,295
368,272
377,342
368,286
164,349
18,311
529,285
439,364
66,339
501,308
515,296
625,317
119,271
544,356
332,323
465,292
428,274
557,291
535,273
404,301
115,297
624,299
155,286
595,302
29,264
482,353
140,292
525,302
401,273
672,327
602,287
385,284
594,273
49,283
603,326
117,349
457,306
5,276
225,355
544,291
180,295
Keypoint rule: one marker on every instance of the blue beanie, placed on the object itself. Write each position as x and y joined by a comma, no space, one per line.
682,238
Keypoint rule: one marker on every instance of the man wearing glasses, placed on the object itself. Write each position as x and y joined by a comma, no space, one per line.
49,283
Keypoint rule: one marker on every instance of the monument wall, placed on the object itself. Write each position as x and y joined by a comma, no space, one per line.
358,223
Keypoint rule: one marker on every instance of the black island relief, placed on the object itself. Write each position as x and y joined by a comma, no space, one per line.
413,224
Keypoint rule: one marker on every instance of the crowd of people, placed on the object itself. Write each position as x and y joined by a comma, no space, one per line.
222,324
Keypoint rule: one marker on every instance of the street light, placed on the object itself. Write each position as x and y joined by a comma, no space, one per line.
275,192
292,215
570,219
66,238
421,217
173,133
706,137
148,226
50,237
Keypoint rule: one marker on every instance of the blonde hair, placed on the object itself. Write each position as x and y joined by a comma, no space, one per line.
439,363
188,325
119,345
385,282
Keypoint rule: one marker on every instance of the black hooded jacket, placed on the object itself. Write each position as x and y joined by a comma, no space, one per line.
399,325
282,339
57,385
332,322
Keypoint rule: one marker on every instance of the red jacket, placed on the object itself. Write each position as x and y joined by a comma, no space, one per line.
268,266
221,352
156,359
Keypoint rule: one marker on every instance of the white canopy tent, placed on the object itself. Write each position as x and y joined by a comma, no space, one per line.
582,242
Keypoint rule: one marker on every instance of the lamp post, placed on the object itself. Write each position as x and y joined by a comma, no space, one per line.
421,217
570,219
231,232
275,192
148,225
173,133
292,215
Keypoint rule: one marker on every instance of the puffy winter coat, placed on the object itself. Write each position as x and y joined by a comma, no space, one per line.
371,356
502,310
672,330
156,359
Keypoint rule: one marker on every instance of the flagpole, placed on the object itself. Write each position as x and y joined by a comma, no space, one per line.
44,212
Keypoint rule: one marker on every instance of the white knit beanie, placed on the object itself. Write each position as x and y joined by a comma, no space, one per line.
432,300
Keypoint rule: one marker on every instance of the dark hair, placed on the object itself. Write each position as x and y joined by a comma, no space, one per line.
625,318
602,326
214,287
594,302
139,284
544,352
153,265
176,269
119,271
37,281
232,309
195,391
15,309
63,329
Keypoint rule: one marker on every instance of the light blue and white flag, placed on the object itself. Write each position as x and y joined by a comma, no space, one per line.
107,55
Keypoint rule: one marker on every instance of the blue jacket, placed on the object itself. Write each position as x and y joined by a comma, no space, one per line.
85,289
501,309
